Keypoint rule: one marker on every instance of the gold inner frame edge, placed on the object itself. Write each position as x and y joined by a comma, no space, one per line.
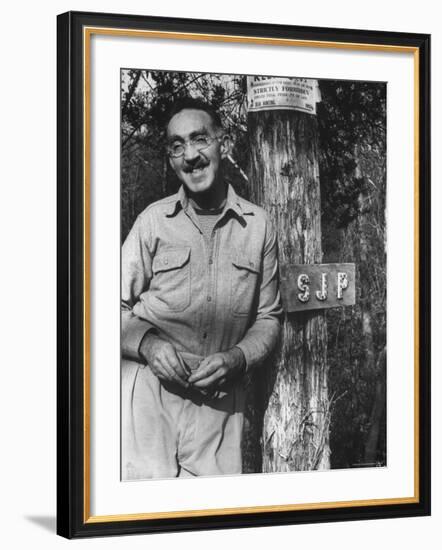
87,33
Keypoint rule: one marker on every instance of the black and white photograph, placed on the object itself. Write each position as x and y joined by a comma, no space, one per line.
253,274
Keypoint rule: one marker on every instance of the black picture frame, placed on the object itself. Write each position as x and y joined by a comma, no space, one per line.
73,520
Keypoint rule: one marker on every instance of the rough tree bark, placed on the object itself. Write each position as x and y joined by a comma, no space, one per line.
365,302
377,411
284,180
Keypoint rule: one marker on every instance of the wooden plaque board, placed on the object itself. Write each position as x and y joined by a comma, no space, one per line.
302,286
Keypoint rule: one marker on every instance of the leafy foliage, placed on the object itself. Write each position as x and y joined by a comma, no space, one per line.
352,133
351,115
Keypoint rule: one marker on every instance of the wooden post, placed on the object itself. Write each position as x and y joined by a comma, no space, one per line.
284,180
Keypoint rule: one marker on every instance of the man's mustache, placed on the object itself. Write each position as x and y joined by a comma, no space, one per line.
189,167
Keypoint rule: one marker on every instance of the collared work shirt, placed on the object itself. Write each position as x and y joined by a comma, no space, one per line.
202,296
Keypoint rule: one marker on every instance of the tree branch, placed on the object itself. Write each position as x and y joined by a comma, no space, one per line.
131,91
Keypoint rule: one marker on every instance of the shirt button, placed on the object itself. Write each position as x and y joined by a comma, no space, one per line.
209,298
166,261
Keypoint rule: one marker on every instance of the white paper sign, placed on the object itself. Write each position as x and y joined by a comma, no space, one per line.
266,94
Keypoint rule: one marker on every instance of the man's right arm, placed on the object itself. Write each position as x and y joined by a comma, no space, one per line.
140,340
136,273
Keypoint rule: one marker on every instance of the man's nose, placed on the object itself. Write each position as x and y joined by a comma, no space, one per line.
191,153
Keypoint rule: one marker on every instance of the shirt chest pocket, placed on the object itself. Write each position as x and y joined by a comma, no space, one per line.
244,286
170,283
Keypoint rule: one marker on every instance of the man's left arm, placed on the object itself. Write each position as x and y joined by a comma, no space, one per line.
260,338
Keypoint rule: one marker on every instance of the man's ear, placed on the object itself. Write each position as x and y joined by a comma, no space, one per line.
226,145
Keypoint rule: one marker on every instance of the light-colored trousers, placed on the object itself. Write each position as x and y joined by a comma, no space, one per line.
168,431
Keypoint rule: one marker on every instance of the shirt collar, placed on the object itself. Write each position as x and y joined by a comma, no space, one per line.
233,203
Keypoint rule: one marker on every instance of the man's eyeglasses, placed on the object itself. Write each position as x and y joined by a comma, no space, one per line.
200,142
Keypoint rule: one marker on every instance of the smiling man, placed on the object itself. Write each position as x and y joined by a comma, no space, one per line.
200,308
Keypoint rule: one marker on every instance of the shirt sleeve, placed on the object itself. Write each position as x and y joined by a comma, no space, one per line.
136,273
262,336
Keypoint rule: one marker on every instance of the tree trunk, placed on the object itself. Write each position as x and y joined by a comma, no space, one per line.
377,412
284,179
375,364
365,299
